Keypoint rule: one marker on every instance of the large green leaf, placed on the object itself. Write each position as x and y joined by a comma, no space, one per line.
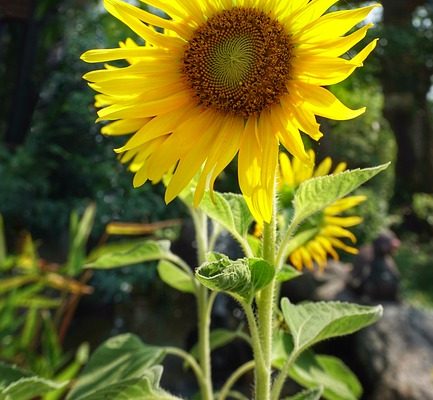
145,387
175,277
310,394
310,370
241,278
317,193
16,384
310,323
119,359
148,250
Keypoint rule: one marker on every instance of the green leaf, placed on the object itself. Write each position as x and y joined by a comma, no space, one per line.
310,323
2,243
8,284
16,384
241,278
311,394
287,273
70,372
175,277
145,387
148,250
228,209
120,358
337,379
317,193
79,230
310,370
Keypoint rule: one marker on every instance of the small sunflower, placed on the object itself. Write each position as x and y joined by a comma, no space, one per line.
327,228
224,77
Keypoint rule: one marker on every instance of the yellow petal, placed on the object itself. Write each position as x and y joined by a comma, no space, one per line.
324,167
332,25
121,11
344,221
124,126
143,110
157,126
103,55
344,204
248,168
322,102
337,231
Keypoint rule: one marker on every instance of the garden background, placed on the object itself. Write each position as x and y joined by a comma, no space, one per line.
61,184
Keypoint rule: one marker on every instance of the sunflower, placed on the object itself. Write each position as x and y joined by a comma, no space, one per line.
326,231
216,78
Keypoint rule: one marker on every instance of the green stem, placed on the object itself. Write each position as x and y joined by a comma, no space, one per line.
190,360
284,246
282,376
265,306
203,306
225,390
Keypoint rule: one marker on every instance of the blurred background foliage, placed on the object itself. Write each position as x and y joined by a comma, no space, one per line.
53,159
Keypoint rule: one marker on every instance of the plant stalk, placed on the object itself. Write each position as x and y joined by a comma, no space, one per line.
203,309
265,307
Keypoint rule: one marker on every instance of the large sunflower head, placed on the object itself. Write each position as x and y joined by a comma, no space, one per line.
327,231
218,78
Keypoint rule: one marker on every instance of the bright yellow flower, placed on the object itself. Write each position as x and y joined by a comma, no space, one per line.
225,77
328,228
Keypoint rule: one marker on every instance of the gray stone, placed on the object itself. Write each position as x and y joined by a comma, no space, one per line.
396,354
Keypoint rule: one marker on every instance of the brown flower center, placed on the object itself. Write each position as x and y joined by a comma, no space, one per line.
238,61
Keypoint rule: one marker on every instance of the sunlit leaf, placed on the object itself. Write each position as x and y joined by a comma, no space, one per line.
310,323
120,358
17,384
175,277
315,194
148,250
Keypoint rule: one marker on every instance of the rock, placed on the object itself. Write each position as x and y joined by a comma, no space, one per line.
396,354
375,276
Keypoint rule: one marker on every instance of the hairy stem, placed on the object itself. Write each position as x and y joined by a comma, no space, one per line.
265,305
203,308
244,368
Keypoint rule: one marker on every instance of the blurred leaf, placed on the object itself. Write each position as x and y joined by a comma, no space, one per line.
2,243
118,359
51,346
145,387
28,259
7,284
310,323
16,384
175,277
148,250
62,283
315,194
70,372
79,234
133,228
30,327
